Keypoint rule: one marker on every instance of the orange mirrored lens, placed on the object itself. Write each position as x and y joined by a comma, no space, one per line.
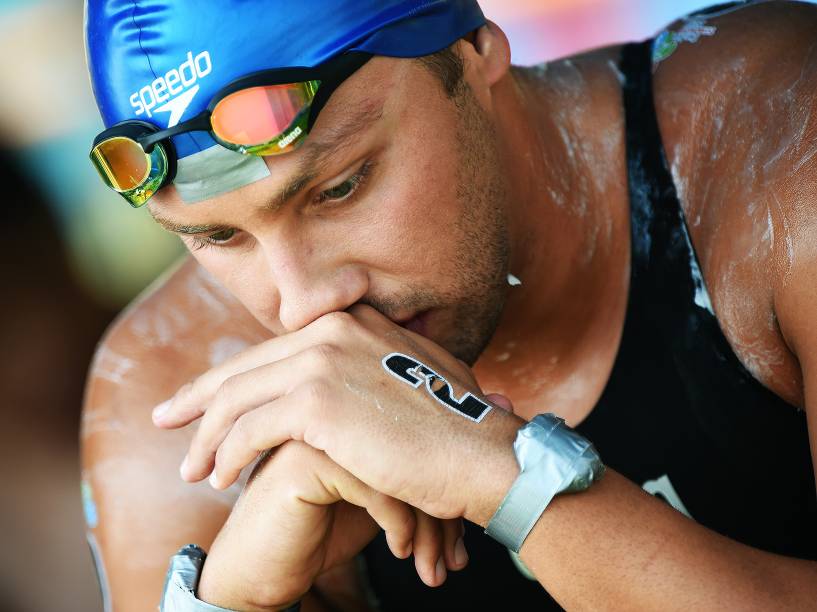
259,114
122,162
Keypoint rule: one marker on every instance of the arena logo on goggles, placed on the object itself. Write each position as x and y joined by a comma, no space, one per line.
175,90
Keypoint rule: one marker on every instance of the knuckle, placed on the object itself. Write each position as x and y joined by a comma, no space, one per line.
337,322
221,460
403,519
408,525
184,394
197,390
292,457
324,355
226,390
316,394
242,431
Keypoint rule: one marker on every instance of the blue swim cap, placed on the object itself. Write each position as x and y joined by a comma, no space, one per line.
162,61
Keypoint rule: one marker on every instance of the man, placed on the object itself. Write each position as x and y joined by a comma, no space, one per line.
506,230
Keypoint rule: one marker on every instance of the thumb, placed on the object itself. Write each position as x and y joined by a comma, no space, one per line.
500,400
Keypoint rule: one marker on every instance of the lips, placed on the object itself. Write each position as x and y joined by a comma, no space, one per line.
418,323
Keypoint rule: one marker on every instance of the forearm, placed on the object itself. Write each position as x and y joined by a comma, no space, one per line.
615,546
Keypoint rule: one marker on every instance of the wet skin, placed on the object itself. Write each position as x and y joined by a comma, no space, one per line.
746,192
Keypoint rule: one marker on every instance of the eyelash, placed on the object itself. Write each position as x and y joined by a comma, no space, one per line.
200,242
356,180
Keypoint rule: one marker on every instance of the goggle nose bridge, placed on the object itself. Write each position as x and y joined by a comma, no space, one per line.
199,123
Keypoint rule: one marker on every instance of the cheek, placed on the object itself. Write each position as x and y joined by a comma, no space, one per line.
245,279
407,227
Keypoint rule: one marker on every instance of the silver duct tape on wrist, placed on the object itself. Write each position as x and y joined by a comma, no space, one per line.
552,459
182,580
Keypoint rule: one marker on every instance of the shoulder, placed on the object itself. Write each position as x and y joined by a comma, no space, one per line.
739,58
735,111
179,327
143,511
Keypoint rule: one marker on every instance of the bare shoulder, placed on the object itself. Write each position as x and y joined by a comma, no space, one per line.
699,52
181,326
742,63
735,104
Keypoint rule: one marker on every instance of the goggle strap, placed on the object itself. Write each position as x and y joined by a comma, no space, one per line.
343,66
200,122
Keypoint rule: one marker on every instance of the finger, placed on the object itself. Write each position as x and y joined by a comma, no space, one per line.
239,395
428,550
456,556
500,400
359,529
394,517
265,427
188,402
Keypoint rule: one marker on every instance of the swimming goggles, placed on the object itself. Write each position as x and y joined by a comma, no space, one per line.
264,113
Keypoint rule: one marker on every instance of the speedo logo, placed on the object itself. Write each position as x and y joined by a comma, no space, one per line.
175,90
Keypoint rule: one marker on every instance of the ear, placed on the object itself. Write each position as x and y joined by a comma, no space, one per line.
487,58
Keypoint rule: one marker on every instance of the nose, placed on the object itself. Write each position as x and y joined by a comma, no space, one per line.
311,285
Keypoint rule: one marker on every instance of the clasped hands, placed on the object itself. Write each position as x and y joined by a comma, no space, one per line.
348,448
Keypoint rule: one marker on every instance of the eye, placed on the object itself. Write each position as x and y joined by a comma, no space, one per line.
222,236
341,191
347,188
215,239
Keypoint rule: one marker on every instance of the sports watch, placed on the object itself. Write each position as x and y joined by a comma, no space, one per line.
552,459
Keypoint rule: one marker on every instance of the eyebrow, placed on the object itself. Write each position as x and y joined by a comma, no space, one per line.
316,153
178,228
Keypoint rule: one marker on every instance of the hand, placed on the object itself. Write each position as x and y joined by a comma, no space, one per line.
326,385
301,515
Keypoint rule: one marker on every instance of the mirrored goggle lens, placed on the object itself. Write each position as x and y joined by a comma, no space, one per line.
128,170
264,120
121,162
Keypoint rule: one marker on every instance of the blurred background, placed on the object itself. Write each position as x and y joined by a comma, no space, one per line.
77,254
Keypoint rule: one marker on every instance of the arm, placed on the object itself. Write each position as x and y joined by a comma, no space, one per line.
617,547
611,547
144,511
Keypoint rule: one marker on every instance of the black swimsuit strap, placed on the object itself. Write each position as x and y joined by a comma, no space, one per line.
655,208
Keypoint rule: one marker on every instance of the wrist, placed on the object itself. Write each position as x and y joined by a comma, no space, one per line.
498,470
218,587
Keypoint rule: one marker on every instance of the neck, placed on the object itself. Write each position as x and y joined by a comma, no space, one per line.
569,222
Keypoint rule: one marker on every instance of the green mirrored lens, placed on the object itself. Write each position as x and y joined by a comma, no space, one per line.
127,169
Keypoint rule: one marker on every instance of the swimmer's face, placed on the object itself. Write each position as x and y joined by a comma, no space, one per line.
406,214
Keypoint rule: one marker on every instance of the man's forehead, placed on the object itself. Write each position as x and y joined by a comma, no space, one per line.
331,136
352,107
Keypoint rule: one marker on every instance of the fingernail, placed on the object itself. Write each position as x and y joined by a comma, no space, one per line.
161,410
183,468
460,554
440,572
